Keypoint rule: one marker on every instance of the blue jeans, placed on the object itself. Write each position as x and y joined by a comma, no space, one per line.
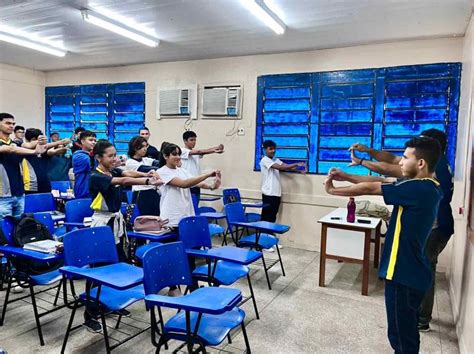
12,206
402,304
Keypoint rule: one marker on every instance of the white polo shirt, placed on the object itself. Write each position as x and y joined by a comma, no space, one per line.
270,177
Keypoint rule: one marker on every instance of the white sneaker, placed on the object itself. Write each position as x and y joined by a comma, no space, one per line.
280,246
270,250
17,289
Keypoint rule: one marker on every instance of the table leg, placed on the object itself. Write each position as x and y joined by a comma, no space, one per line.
322,257
377,245
365,266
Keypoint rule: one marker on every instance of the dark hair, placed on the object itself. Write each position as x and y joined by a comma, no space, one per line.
269,143
101,146
79,130
166,150
86,134
427,149
135,144
54,133
32,133
5,116
18,127
438,135
189,134
143,128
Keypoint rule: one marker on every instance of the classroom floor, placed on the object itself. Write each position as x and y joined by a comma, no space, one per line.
297,316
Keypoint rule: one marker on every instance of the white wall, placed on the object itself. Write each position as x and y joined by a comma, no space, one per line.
22,94
304,200
461,271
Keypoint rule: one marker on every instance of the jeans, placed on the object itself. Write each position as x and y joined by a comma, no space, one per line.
402,304
12,206
435,245
270,210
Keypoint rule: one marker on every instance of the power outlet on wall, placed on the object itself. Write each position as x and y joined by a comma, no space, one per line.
241,131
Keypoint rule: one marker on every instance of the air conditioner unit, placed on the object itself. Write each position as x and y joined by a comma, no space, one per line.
174,102
221,101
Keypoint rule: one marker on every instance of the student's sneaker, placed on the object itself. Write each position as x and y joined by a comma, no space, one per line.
17,289
424,327
93,326
270,250
280,246
175,292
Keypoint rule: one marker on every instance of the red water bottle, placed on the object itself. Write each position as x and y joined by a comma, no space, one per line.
351,210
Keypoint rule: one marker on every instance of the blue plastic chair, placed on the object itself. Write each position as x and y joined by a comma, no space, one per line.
39,202
206,316
214,229
93,249
76,210
28,281
194,234
47,220
61,186
232,195
235,213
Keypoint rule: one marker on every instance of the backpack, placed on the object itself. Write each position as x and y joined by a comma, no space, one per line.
29,230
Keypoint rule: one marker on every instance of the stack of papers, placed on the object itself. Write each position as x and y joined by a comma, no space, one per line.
45,246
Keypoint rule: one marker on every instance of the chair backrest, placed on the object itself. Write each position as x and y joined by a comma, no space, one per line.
195,203
194,232
234,212
231,195
46,219
89,246
39,202
8,225
61,186
129,195
165,265
78,209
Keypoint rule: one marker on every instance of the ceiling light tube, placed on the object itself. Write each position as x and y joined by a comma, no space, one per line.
117,27
6,37
260,10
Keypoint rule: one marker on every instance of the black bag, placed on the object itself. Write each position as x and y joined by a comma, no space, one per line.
29,230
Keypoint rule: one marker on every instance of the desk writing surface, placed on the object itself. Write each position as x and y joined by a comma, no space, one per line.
342,213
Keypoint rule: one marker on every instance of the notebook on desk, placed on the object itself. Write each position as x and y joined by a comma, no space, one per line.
45,246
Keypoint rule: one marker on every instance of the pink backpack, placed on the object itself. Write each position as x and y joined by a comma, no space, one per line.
149,224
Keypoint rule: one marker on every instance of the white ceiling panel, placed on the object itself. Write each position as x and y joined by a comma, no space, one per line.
198,29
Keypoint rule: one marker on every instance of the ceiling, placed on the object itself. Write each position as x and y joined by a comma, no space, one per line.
199,29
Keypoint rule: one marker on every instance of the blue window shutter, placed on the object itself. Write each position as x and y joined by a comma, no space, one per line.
315,117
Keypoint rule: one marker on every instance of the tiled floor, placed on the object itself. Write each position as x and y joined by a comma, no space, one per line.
297,316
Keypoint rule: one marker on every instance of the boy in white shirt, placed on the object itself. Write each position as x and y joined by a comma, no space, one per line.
190,156
271,186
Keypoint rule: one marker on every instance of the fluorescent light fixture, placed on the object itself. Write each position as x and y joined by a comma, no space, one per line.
6,37
260,9
117,27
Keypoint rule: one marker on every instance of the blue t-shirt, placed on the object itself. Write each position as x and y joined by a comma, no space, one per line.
415,204
81,165
445,218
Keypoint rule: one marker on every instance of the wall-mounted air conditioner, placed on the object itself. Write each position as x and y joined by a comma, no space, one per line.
177,102
221,101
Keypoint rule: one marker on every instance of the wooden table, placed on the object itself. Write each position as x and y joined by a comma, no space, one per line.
348,242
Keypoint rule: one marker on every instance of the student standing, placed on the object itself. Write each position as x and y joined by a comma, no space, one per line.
190,156
83,163
12,200
404,264
152,152
35,167
388,164
147,198
19,133
270,168
176,201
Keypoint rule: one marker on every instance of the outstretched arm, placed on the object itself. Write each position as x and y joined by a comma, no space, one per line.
383,168
219,149
379,155
363,188
289,167
339,175
191,182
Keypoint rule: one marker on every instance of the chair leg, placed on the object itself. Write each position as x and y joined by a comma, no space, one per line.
253,297
5,303
57,293
37,319
266,272
281,262
246,339
69,326
229,338
117,325
104,330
